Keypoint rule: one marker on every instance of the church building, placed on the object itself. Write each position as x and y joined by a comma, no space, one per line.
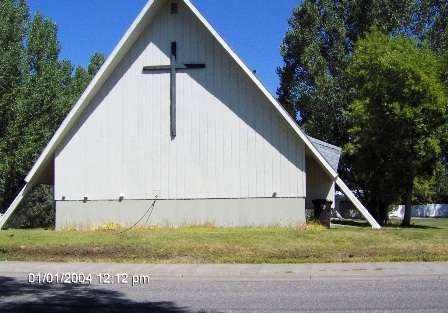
175,120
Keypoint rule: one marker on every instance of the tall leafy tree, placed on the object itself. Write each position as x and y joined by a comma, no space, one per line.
96,61
36,92
13,25
432,24
316,51
434,28
14,18
399,116
37,104
440,183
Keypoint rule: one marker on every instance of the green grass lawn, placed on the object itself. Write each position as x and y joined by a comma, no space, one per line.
426,240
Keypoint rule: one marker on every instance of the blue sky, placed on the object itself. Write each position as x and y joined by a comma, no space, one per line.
253,28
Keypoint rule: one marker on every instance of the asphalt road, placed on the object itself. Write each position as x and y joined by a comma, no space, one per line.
228,288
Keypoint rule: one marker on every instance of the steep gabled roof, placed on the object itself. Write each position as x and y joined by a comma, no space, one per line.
137,27
44,162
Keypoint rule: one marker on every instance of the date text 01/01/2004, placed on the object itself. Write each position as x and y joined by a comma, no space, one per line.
80,278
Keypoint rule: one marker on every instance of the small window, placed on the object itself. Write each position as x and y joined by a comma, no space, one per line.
173,8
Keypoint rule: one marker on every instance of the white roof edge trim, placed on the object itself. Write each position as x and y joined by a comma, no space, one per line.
100,78
357,203
266,92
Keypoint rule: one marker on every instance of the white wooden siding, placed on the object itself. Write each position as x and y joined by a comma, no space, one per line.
230,142
319,185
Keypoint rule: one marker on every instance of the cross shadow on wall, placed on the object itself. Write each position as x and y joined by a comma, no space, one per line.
20,296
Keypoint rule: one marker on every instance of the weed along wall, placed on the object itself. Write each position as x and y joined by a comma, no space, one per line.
217,212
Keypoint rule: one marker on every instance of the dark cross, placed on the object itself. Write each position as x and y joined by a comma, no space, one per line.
173,67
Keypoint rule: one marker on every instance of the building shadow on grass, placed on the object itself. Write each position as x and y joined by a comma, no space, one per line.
20,296
393,223
355,223
413,226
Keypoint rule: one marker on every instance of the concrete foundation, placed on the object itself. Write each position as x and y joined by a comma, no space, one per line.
219,212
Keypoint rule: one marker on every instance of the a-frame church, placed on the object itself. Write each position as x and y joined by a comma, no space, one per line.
175,116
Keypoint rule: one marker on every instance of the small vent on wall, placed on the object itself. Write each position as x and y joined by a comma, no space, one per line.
173,8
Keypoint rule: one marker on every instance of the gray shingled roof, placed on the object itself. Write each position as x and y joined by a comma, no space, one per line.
329,152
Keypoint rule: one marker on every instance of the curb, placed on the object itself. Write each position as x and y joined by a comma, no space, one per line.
243,272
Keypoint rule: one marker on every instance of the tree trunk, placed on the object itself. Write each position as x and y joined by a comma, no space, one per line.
384,213
408,206
373,210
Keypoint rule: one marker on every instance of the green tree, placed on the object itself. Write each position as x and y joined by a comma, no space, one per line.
36,210
13,26
82,78
440,184
399,116
316,52
36,92
96,61
37,108
432,25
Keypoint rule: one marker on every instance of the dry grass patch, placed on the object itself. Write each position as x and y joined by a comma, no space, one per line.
312,226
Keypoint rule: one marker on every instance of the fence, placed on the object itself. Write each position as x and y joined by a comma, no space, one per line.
423,210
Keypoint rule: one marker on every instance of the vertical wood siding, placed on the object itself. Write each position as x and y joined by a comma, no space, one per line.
319,185
231,142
